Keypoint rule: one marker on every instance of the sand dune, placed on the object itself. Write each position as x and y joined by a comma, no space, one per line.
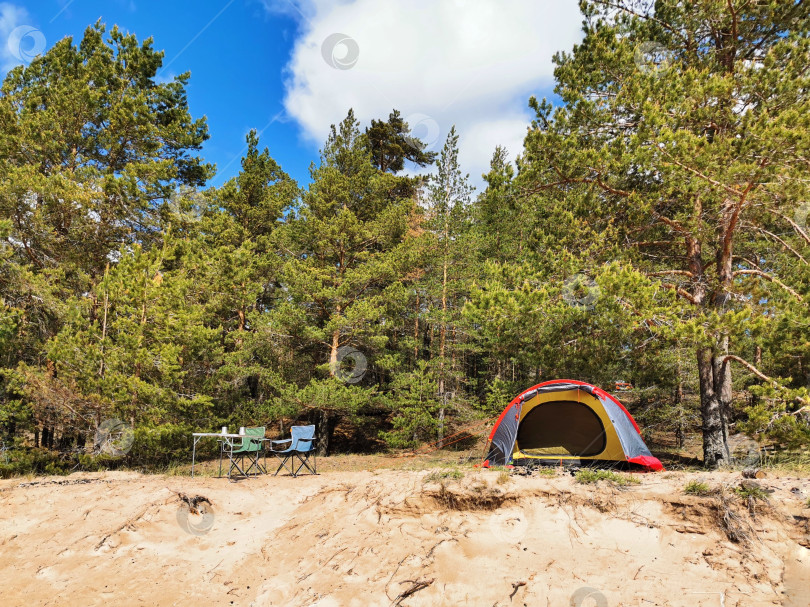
387,538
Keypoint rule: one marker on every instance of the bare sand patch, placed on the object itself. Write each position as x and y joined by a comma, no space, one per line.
352,538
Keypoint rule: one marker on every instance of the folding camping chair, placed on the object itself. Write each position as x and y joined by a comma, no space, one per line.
301,446
251,447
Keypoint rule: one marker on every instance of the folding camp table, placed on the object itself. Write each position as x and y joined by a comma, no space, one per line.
198,435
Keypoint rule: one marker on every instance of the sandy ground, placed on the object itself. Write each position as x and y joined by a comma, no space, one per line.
386,537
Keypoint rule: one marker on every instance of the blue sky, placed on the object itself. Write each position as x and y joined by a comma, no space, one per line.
290,68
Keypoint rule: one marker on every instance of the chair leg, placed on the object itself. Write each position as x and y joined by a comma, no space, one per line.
235,464
283,459
252,461
253,458
304,459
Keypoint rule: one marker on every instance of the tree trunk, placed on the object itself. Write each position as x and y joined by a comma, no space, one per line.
442,341
441,420
712,386
416,333
324,430
333,353
678,398
722,379
240,329
104,322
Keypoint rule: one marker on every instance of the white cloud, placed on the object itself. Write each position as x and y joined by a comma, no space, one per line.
19,41
472,63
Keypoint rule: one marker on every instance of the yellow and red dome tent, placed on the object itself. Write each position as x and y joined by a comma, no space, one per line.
565,419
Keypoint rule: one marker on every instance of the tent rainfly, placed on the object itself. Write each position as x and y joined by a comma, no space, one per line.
565,419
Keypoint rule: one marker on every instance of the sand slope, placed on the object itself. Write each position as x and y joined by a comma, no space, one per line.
386,538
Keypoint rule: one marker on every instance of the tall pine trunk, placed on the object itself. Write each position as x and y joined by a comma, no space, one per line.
714,377
326,423
416,333
326,419
443,336
715,384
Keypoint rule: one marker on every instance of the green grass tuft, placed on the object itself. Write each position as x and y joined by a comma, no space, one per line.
587,477
440,475
751,492
697,488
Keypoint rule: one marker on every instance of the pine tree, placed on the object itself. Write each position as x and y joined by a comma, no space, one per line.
131,358
240,273
91,149
682,138
448,202
348,247
91,145
391,144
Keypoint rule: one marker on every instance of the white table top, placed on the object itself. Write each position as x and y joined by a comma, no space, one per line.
221,435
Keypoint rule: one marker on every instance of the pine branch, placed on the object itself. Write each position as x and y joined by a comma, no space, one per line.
645,16
682,292
672,272
763,377
569,180
782,242
795,226
703,176
671,223
770,278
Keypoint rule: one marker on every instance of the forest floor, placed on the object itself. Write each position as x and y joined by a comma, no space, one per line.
394,534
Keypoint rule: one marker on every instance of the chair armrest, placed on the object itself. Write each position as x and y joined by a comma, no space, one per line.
225,442
273,443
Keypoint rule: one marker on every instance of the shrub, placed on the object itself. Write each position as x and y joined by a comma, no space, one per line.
165,444
46,462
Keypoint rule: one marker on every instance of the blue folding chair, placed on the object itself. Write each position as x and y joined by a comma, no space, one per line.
302,446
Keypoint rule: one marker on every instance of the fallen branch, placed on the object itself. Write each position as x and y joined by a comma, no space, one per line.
417,586
515,586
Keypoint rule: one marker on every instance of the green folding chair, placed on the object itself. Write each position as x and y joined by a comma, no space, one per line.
251,447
